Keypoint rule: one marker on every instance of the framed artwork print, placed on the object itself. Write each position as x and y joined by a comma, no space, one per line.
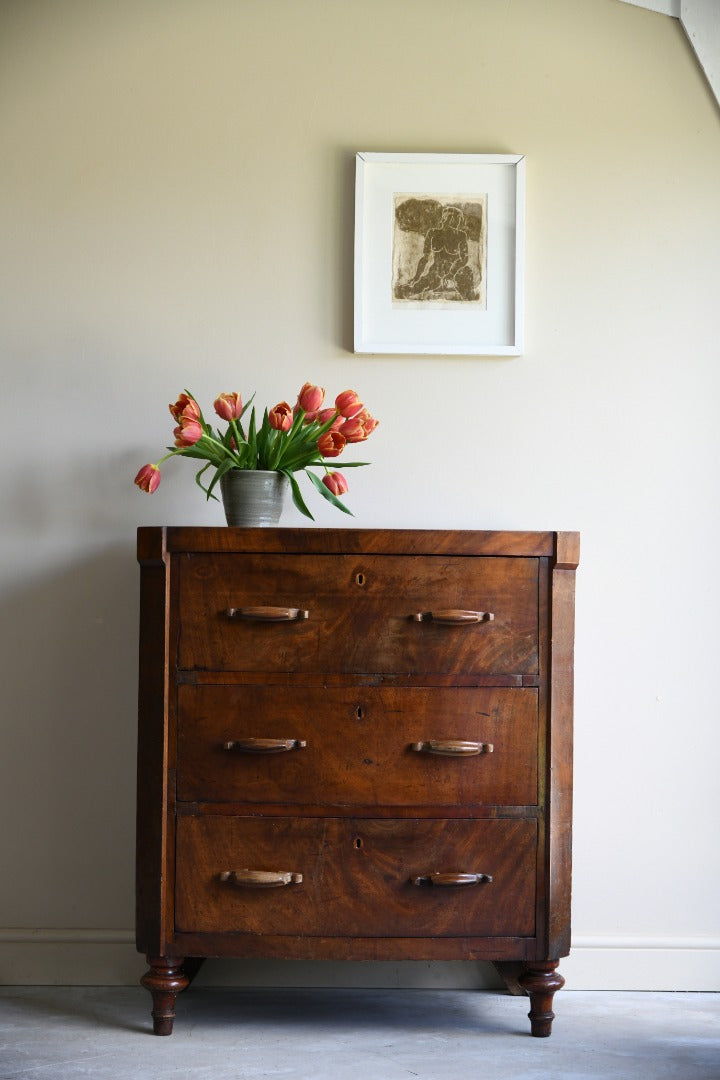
439,253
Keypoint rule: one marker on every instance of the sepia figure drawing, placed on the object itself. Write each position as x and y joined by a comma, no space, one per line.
439,250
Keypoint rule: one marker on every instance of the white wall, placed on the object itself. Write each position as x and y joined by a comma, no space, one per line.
176,209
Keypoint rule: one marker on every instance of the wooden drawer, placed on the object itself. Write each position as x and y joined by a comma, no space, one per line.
360,613
356,876
358,745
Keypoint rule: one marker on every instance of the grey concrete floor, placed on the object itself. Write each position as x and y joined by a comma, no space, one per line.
103,1033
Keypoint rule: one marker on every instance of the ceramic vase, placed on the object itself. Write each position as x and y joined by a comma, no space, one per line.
253,497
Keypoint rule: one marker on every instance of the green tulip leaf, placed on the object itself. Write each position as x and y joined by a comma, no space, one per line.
198,481
225,467
349,464
297,495
247,405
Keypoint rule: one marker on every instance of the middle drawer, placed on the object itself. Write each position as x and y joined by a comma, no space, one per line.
369,746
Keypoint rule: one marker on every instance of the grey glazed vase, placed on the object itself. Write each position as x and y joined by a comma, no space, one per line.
253,497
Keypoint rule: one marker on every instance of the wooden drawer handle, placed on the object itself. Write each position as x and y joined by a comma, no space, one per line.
452,747
260,879
264,746
268,614
454,617
452,879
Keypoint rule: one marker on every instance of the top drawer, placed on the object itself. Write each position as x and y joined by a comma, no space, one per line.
361,614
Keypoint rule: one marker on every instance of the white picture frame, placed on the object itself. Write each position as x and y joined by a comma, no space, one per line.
439,254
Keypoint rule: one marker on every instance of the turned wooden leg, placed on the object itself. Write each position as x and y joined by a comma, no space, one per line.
164,980
541,981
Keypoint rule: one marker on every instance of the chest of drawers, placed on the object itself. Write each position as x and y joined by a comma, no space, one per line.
355,744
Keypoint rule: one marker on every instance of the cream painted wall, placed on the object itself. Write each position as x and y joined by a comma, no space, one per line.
176,209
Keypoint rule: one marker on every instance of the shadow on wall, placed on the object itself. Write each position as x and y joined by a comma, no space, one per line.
69,734
345,280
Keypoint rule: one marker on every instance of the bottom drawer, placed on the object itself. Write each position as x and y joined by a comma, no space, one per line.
355,878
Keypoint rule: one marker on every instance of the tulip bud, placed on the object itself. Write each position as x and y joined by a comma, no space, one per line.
335,482
281,417
311,398
331,444
348,403
228,406
148,478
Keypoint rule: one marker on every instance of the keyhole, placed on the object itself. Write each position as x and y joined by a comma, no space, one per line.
358,842
360,579
359,712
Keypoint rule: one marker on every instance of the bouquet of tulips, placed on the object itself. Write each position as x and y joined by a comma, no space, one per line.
289,439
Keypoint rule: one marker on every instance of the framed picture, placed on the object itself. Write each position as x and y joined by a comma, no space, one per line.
439,253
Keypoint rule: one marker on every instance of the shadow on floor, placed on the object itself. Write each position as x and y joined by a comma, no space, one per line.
338,1010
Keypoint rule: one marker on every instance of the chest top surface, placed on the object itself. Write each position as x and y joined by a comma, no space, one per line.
155,542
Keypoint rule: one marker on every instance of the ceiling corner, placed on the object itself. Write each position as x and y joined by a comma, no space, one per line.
700,19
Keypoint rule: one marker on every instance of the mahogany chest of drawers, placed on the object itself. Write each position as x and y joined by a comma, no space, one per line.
355,744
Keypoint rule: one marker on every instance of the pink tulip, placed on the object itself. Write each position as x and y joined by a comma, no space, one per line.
185,406
311,398
228,406
331,444
281,417
348,403
148,478
188,433
335,482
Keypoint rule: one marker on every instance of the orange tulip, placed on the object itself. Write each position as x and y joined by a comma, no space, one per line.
148,478
185,406
228,406
331,444
335,482
311,398
348,403
188,433
281,417
354,430
369,422
359,427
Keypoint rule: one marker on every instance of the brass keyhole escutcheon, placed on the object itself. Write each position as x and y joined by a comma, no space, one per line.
358,842
360,712
360,578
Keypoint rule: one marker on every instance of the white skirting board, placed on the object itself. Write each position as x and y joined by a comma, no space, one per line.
637,963
46,957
